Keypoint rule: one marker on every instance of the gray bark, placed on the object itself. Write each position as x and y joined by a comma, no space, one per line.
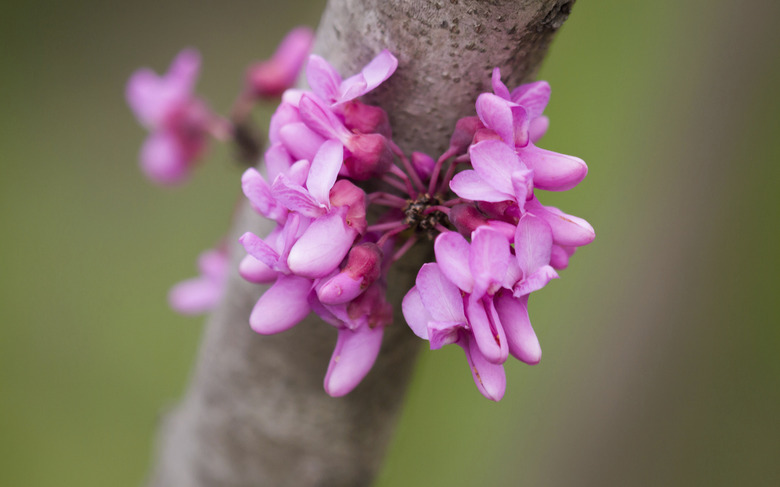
255,413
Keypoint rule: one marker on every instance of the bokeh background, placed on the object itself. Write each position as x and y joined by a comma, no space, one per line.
661,341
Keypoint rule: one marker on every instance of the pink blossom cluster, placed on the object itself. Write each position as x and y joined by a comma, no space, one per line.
330,253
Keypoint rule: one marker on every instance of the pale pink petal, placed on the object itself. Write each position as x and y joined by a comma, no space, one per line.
496,114
260,196
378,70
254,270
272,77
322,246
324,170
277,160
195,296
417,317
162,159
321,119
537,128
259,249
488,258
536,281
452,256
296,198
285,114
323,80
298,172
184,70
553,171
490,378
353,357
282,306
499,88
523,344
560,255
443,333
469,185
523,185
300,141
533,243
533,97
341,288
442,298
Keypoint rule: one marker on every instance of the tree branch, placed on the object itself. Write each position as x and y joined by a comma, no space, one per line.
256,412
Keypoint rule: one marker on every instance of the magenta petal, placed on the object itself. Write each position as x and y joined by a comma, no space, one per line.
341,288
553,171
286,113
486,334
488,258
162,159
443,333
353,357
441,297
321,119
559,258
537,128
469,185
417,317
490,378
378,70
322,246
533,243
535,281
254,270
499,88
277,160
566,229
533,97
260,197
300,141
296,198
496,114
523,344
324,170
452,256
322,78
257,248
195,296
282,306
495,162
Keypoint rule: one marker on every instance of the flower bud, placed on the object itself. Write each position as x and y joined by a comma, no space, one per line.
344,193
364,263
465,128
466,218
369,156
423,164
366,119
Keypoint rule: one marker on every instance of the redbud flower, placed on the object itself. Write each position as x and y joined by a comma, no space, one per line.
203,293
178,121
271,78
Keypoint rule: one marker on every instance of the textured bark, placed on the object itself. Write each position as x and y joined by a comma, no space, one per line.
255,413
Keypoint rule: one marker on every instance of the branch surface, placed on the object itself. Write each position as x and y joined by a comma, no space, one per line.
255,413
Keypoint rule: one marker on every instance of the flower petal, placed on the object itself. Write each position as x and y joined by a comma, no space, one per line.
322,78
469,185
490,378
254,270
452,256
257,248
537,128
353,357
488,258
496,114
566,229
300,141
553,171
322,246
533,243
324,170
499,88
523,344
440,297
443,333
533,97
296,198
417,317
488,334
377,71
195,296
163,160
282,306
495,162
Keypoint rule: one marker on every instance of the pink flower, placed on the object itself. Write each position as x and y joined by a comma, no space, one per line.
326,82
203,293
269,79
178,121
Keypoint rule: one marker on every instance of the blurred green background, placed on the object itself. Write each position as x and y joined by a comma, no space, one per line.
660,342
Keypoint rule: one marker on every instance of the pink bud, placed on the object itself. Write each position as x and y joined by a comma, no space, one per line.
502,210
366,119
485,134
423,164
465,128
344,193
369,156
466,219
269,79
364,263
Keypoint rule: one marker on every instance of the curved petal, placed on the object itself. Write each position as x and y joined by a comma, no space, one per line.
286,113
487,334
443,333
162,159
488,258
440,296
322,246
322,78
295,197
377,71
195,296
499,88
495,162
282,306
353,357
300,141
324,171
537,128
536,281
277,160
257,248
496,113
254,270
469,185
533,243
417,317
452,256
523,344
567,230
553,171
533,97
490,378
321,120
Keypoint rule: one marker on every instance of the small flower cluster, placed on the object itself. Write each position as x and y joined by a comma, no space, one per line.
494,242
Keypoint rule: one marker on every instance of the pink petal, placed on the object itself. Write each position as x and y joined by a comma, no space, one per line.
499,88
489,378
257,248
353,357
442,298
496,114
488,258
566,229
536,281
533,243
553,171
321,119
183,73
533,97
523,344
260,197
417,317
296,198
443,333
378,70
285,114
560,255
195,296
469,185
300,141
537,128
452,256
322,246
162,159
254,270
282,306
495,162
324,170
322,78
277,160
488,333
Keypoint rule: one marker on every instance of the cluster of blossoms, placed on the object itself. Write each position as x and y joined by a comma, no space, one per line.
494,242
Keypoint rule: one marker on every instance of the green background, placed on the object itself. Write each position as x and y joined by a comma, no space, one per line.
660,342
